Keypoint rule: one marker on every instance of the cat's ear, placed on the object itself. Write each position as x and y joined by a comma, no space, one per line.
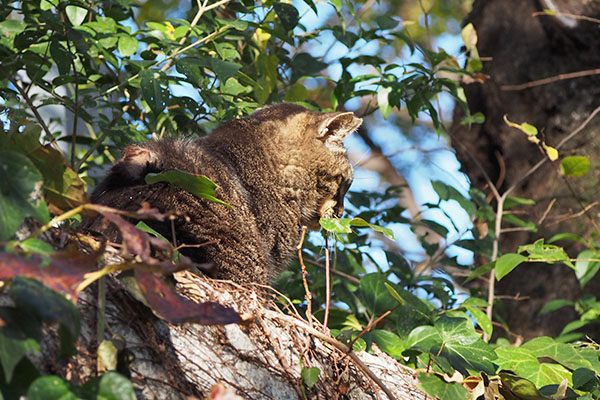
338,125
135,161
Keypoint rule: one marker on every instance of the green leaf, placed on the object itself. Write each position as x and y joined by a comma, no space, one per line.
525,363
529,129
155,94
50,388
46,5
553,305
113,386
479,271
20,194
519,387
575,166
47,305
20,335
512,201
482,319
297,93
547,253
382,101
389,342
310,376
507,263
386,22
395,294
198,185
585,269
287,14
438,388
564,353
224,69
76,14
342,225
455,340
35,245
375,295
61,57
127,45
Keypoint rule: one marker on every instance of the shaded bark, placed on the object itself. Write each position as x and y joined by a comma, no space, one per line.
518,47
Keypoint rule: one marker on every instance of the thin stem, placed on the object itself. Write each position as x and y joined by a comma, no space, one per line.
39,118
341,347
307,293
182,50
202,8
327,284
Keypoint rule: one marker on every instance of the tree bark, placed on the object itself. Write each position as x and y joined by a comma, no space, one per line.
518,47
259,359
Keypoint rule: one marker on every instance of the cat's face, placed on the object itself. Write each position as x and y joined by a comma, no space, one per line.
316,169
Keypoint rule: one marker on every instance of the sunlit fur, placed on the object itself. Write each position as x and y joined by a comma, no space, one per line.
280,168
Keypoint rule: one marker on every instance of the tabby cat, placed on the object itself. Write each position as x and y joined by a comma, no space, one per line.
281,168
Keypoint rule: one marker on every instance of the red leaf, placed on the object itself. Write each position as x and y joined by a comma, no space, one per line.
62,271
167,303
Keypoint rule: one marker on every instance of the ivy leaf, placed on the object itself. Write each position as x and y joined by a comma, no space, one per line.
436,387
481,318
198,185
113,386
375,295
507,263
389,342
526,365
575,166
310,376
50,387
455,340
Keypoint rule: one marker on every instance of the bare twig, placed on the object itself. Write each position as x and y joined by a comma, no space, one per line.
551,79
547,211
571,216
182,50
33,108
371,325
307,293
98,141
202,8
341,274
327,285
567,15
341,347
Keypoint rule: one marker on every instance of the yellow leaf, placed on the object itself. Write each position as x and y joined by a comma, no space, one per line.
469,36
551,152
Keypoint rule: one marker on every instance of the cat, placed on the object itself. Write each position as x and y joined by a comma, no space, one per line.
281,168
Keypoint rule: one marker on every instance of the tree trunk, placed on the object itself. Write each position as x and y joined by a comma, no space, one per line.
261,358
518,47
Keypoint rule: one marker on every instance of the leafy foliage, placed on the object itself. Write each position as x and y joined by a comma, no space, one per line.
118,77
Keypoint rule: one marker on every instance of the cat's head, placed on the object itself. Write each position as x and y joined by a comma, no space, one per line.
315,165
